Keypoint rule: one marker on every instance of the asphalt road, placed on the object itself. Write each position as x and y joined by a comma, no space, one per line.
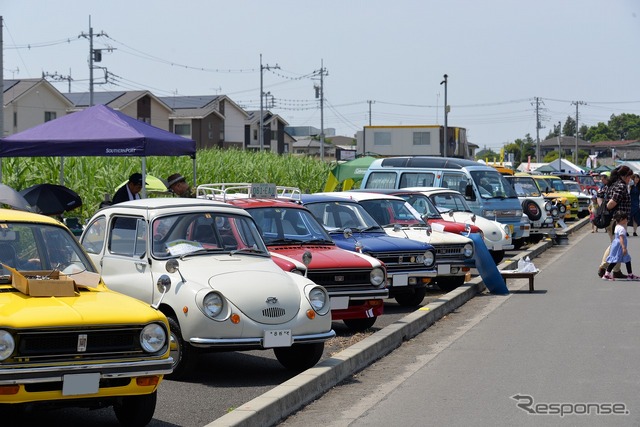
510,360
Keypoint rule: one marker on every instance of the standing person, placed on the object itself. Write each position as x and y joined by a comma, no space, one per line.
634,194
618,252
593,207
177,184
617,200
129,191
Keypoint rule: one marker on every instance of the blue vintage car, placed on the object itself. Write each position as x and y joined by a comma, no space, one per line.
411,264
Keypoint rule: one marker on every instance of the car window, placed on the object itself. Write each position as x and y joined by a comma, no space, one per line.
93,237
128,236
381,180
416,179
278,223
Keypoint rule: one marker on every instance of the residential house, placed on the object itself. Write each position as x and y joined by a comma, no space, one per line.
31,102
311,147
273,134
210,120
139,104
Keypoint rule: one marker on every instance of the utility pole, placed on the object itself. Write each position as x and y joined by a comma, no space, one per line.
559,146
95,55
538,127
446,110
320,94
370,102
58,77
575,155
261,131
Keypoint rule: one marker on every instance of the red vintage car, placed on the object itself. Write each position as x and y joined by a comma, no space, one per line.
356,283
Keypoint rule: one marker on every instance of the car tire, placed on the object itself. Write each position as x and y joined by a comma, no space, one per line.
447,284
528,206
359,325
135,411
497,256
412,299
299,357
182,352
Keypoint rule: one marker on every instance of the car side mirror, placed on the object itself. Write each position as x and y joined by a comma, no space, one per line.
468,192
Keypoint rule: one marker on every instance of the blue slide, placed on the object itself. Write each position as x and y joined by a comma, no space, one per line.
487,267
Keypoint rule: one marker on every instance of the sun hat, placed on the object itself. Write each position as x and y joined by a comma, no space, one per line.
174,179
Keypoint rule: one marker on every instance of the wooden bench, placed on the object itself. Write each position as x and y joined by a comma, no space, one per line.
515,274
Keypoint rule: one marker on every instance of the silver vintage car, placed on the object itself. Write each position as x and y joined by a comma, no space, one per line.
204,264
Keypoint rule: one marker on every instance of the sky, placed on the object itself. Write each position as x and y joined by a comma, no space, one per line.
384,61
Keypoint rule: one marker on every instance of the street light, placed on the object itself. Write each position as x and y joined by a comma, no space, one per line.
445,114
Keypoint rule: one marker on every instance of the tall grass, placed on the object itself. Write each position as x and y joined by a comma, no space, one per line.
93,177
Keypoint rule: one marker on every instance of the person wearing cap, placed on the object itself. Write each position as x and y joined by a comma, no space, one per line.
129,191
177,184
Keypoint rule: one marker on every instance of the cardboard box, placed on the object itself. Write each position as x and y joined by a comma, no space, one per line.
31,283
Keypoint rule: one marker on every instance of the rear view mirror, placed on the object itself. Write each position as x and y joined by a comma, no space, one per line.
8,235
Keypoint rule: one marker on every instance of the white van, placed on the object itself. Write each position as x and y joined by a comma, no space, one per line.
485,189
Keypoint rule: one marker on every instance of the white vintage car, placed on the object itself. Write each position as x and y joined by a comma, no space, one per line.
454,253
204,264
453,207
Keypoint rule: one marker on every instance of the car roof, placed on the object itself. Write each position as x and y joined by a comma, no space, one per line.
11,215
250,203
431,190
170,203
370,195
324,198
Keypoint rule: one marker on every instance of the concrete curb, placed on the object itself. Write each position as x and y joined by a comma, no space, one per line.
283,400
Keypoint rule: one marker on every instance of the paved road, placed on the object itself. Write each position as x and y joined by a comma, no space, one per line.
574,341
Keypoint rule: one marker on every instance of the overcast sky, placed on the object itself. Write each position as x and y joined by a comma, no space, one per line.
499,55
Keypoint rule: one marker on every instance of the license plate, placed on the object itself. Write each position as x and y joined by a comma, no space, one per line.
400,280
339,303
278,338
444,269
76,384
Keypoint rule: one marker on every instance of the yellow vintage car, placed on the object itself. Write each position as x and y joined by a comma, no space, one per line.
552,187
65,338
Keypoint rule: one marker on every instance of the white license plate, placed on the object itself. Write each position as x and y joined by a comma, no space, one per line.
400,280
339,303
76,384
278,338
444,269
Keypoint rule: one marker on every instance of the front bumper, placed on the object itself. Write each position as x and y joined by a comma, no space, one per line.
257,342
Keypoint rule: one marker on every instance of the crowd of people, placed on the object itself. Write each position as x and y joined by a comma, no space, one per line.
620,195
175,183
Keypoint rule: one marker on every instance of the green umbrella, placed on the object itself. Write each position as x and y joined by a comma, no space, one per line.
153,184
348,173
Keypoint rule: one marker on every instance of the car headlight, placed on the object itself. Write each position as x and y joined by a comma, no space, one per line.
548,206
153,338
468,250
377,277
506,230
562,208
519,212
574,205
319,299
212,304
297,271
7,345
554,212
489,213
429,259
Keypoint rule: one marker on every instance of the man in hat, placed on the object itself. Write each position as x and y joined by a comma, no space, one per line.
177,184
129,191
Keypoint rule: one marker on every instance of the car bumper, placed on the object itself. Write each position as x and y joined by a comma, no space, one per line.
257,342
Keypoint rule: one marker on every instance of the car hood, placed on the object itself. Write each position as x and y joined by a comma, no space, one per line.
325,257
493,230
437,236
379,242
88,307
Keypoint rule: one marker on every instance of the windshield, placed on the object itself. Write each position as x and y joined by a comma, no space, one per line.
524,186
573,187
422,204
491,184
282,225
557,184
586,180
336,216
40,247
177,235
392,211
450,201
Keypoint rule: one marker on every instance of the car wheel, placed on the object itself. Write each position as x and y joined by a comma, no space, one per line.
497,256
134,411
183,354
412,299
299,357
360,325
447,284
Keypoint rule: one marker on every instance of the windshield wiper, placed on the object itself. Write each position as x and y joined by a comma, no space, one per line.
201,251
316,241
284,241
370,228
247,249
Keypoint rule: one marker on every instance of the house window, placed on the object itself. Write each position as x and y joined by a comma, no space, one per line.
50,115
255,134
15,119
210,135
382,138
421,138
184,129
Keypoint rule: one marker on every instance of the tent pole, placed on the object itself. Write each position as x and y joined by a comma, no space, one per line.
194,172
144,178
61,171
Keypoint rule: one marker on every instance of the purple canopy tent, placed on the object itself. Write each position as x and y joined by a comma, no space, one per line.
97,131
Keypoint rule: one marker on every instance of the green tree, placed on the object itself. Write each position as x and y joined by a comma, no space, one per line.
569,128
487,153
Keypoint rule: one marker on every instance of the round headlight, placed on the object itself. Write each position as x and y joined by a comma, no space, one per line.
298,272
318,299
429,259
212,304
547,206
562,208
7,345
153,338
554,212
377,277
468,250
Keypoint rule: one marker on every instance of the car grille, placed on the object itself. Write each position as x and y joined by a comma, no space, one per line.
78,344
448,253
273,312
343,279
395,261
